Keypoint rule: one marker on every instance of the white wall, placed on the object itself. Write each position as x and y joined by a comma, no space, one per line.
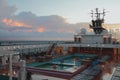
88,39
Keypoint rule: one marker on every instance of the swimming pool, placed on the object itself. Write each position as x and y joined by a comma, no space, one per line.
64,67
66,63
54,66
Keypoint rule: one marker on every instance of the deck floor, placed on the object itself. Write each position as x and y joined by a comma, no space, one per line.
116,73
42,77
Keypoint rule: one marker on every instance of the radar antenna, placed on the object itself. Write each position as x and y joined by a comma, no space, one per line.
92,14
97,23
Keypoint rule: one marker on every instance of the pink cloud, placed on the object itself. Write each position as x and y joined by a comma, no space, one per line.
40,29
11,22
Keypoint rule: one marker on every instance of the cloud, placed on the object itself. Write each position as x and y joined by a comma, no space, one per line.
6,11
27,25
11,22
40,29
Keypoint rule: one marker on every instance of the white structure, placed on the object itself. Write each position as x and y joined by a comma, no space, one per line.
100,34
22,71
5,54
86,38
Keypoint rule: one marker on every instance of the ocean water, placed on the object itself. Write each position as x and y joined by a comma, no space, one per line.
3,43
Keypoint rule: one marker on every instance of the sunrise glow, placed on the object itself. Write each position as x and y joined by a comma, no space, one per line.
11,22
40,29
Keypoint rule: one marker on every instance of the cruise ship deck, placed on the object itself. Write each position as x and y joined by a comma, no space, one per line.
89,57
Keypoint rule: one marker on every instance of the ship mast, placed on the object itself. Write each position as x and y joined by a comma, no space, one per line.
97,22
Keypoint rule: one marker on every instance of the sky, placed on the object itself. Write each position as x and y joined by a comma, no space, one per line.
50,19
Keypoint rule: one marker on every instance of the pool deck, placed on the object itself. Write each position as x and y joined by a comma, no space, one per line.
73,69
116,73
65,74
43,77
91,73
54,73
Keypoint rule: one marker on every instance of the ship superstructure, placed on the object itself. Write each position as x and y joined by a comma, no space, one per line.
100,35
97,23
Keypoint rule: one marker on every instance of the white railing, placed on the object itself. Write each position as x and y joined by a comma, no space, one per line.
92,45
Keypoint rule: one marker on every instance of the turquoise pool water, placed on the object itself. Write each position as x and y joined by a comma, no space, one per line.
54,66
74,61
65,62
62,64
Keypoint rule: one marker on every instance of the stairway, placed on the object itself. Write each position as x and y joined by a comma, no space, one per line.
51,48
